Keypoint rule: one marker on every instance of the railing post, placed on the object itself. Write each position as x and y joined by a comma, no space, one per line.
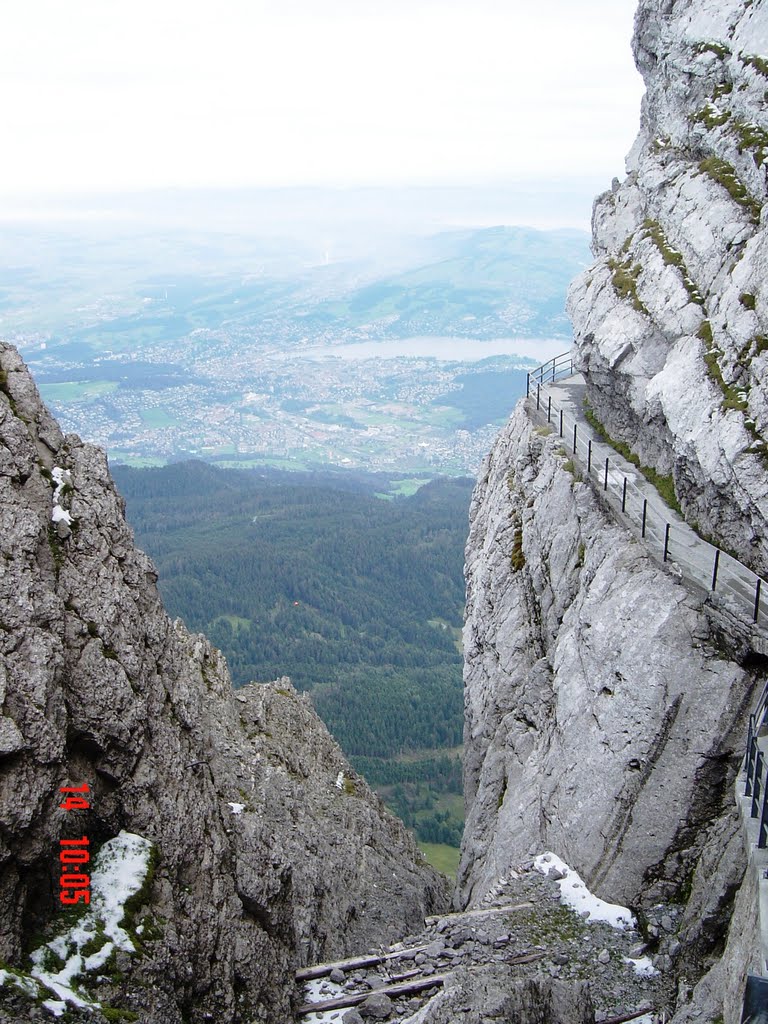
750,768
553,371
645,515
574,438
748,755
624,496
666,542
561,423
715,568
549,408
605,484
757,599
589,455
527,385
757,784
538,396
763,820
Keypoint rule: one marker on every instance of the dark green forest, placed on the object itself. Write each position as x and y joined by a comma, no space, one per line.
358,599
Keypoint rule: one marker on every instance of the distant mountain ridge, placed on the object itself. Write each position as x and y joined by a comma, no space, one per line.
488,283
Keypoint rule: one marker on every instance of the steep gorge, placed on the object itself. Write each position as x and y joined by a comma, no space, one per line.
606,701
271,851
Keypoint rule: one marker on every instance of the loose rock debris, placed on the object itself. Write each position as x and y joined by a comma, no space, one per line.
523,926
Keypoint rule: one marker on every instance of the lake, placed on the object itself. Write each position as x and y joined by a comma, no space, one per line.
460,350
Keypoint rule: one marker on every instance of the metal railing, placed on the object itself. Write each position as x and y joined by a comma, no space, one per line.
669,538
756,785
754,811
556,369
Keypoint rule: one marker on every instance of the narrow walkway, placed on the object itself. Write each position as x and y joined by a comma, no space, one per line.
556,397
670,540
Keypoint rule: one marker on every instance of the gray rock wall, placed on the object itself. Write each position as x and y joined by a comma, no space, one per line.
671,322
606,704
98,686
603,710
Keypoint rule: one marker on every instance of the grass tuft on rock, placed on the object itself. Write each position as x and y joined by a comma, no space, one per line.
725,175
624,275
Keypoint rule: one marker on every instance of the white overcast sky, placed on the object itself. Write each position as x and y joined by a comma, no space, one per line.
111,95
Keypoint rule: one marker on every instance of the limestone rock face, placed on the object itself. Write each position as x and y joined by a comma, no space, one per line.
602,710
270,850
606,702
671,323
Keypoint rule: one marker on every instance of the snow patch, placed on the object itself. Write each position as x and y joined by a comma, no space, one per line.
55,1006
60,514
318,991
62,478
642,966
119,871
340,780
237,808
575,894
27,985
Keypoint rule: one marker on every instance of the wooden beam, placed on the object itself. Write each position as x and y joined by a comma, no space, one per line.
523,958
626,1016
320,970
355,998
404,988
480,913
394,978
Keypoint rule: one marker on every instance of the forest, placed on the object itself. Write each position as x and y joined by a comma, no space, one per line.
355,593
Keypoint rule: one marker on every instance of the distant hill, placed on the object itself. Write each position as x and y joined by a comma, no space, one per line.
489,283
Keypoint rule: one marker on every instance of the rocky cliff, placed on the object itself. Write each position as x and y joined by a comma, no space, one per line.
672,320
606,702
269,851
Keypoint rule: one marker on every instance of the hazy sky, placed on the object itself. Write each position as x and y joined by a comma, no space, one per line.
113,95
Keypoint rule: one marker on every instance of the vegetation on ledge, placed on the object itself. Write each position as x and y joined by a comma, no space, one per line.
665,485
672,258
725,175
752,60
734,398
719,49
624,275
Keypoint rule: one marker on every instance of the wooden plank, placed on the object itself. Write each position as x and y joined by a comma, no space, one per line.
480,913
523,958
626,1016
355,998
394,978
320,970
